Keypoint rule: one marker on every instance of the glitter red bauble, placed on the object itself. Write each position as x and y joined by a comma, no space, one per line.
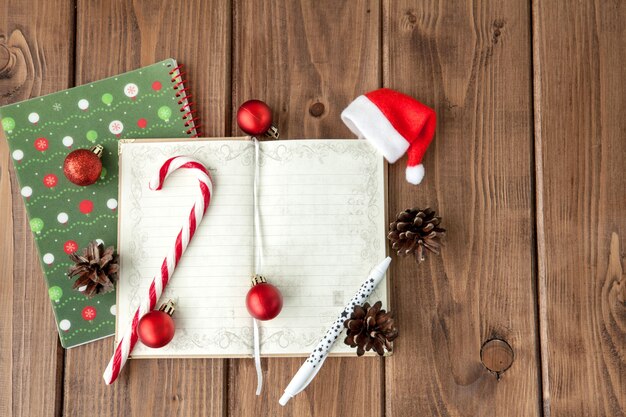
82,167
254,117
156,329
264,301
142,123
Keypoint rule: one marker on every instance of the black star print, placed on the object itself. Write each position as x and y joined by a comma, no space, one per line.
344,313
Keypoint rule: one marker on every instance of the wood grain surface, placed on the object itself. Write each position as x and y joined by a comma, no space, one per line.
523,314
581,203
473,65
36,57
307,60
198,35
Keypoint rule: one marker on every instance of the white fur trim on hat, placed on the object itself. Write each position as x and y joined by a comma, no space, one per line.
415,174
366,121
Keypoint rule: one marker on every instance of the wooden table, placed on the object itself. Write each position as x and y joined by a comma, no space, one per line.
527,170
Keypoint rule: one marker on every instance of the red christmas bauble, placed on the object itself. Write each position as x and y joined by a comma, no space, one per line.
82,166
156,329
264,301
254,117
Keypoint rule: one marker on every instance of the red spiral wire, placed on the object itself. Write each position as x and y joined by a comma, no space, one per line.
189,115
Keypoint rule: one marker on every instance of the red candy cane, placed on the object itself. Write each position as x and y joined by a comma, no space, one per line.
128,340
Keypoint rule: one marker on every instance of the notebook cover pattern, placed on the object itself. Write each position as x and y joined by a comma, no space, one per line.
149,102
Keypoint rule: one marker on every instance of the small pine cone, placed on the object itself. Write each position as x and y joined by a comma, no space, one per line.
370,328
415,230
96,269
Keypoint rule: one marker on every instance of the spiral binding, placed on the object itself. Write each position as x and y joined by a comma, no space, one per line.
182,92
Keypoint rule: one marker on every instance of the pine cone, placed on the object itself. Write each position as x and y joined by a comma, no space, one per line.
414,230
96,269
370,328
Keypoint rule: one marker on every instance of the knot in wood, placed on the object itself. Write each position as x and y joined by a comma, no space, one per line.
7,61
497,355
317,109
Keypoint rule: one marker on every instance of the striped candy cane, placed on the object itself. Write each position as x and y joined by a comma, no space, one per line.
128,340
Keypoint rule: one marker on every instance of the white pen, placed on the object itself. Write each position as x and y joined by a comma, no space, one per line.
312,365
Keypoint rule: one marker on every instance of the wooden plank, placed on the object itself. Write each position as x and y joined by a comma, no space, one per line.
114,37
472,62
307,60
580,100
36,44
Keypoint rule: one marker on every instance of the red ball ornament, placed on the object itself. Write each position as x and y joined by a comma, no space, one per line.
254,117
156,329
82,166
142,123
156,86
264,301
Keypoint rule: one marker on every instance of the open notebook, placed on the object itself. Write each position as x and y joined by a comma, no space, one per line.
322,223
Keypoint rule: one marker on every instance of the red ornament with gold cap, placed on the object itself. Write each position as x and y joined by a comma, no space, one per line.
83,166
254,117
263,301
156,328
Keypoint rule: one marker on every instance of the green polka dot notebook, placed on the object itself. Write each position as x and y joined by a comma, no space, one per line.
150,102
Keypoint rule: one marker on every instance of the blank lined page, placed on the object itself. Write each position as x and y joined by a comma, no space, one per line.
213,276
322,212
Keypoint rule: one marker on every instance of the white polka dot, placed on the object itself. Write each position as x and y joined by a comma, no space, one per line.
48,258
112,203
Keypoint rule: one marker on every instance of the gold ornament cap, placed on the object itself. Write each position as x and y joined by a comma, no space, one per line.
258,279
168,308
98,149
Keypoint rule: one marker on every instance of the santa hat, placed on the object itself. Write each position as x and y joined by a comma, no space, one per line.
394,123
